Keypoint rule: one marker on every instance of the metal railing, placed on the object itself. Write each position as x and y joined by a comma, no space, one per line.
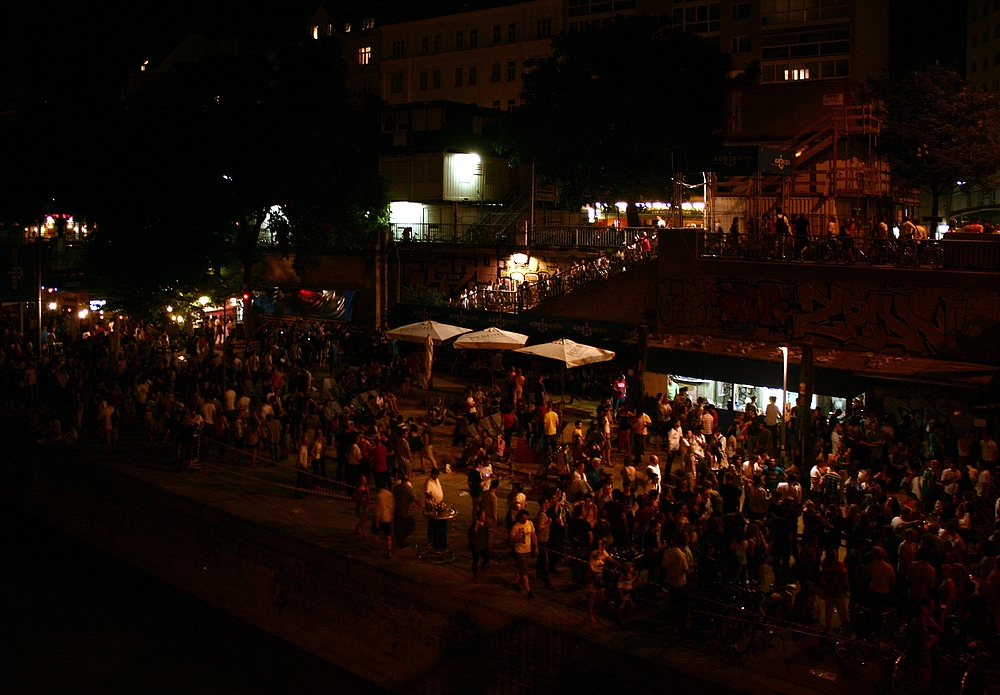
513,299
899,253
452,233
587,236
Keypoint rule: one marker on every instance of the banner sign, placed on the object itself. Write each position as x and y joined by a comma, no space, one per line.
747,160
329,305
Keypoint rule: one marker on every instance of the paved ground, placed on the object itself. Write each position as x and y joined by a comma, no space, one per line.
783,662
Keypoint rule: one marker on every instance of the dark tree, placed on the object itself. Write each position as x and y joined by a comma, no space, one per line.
613,112
939,132
217,146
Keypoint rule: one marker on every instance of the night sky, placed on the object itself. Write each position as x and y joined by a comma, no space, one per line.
63,67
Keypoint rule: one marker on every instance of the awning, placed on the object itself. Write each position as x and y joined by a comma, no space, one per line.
837,372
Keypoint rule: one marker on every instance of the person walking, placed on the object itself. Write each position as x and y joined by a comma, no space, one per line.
522,535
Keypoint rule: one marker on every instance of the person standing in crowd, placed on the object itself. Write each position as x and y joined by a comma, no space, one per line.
479,542
406,502
385,507
522,535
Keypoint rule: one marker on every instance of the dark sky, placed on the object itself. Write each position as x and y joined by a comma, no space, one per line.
923,32
63,68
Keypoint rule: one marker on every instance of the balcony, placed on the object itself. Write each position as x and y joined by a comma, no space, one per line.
503,234
474,234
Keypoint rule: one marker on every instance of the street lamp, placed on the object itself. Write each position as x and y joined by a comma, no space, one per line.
784,398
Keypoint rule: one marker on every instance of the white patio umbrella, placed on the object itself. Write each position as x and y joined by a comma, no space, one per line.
569,353
420,332
492,338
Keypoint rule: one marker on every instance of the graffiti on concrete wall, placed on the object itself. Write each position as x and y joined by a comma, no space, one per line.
688,304
449,273
893,319
749,306
927,321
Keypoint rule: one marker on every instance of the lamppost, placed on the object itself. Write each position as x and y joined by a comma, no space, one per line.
784,399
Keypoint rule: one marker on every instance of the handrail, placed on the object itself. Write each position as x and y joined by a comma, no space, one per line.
863,250
511,299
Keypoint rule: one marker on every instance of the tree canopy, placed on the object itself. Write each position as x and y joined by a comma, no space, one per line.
938,132
211,147
614,110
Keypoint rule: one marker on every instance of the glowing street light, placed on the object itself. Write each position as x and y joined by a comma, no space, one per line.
53,306
83,313
203,300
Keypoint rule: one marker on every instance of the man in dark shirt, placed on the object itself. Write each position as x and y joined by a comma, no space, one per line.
581,538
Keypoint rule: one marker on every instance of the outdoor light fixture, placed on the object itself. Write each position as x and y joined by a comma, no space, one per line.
233,301
520,258
82,314
52,306
466,166
169,309
204,300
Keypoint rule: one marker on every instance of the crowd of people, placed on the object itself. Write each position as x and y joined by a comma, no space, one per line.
862,511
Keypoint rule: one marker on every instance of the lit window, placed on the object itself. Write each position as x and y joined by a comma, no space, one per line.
368,24
364,55
329,29
315,31
347,28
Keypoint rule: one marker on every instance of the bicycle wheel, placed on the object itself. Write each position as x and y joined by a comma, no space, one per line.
730,628
846,645
744,640
974,682
897,676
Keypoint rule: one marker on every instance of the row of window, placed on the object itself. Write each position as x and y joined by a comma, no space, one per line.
775,12
974,65
699,19
986,36
580,8
470,39
785,72
464,76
